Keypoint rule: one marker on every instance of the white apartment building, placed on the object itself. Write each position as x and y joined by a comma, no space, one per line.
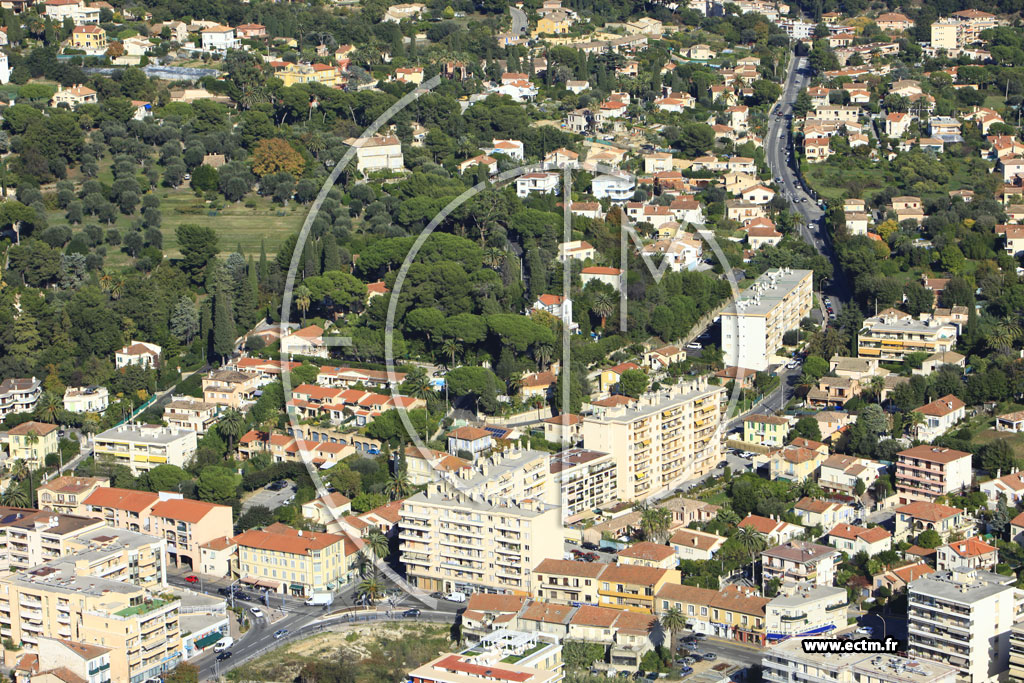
586,480
511,475
540,183
186,412
815,611
19,395
219,39
661,440
143,447
788,663
91,399
892,334
451,541
774,304
963,618
799,565
615,188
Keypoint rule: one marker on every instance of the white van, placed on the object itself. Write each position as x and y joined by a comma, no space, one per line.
223,644
455,596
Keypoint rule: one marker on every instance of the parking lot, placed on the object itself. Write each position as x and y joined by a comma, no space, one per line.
271,499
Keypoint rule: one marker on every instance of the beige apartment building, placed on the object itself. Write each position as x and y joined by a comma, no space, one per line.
292,561
454,541
660,440
776,303
184,524
892,334
185,412
128,556
141,629
67,494
30,537
143,447
230,388
509,475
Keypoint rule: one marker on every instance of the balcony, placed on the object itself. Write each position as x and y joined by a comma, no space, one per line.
793,617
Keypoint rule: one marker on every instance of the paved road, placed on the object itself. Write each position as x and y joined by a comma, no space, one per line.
518,20
778,147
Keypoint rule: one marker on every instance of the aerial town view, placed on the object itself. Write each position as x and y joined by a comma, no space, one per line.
468,341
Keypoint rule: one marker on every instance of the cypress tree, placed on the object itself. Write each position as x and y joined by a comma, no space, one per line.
264,272
224,328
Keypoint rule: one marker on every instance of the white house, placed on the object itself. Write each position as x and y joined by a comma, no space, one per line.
758,194
691,544
609,276
488,162
939,416
138,353
556,305
219,39
91,399
576,249
613,187
540,183
853,539
1010,485
513,149
5,68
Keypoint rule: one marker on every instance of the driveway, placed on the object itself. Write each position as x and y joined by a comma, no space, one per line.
270,499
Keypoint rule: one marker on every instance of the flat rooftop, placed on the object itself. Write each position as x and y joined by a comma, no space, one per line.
767,291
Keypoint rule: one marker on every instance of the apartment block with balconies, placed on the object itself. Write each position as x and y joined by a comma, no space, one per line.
457,541
892,334
776,303
799,564
788,663
923,473
141,629
31,537
660,440
964,619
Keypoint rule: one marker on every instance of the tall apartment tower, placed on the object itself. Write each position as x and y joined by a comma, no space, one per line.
764,312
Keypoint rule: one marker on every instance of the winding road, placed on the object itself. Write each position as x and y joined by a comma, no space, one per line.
518,20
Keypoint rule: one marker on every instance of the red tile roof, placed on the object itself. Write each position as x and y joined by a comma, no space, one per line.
122,499
185,509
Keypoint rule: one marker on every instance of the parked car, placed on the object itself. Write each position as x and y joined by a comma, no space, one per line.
223,644
710,656
224,655
689,661
865,631
590,546
192,579
686,671
694,346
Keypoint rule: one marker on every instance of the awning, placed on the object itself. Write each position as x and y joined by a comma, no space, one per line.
265,583
297,587
208,640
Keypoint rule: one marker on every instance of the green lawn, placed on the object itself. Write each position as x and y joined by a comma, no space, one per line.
1016,441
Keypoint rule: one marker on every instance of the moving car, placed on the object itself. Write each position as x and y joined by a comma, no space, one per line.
411,612
224,655
280,633
256,612
223,644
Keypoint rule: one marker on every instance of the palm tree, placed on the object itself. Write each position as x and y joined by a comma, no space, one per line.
1005,333
751,540
494,257
376,542
303,299
451,348
673,621
913,420
602,304
371,589
398,486
810,489
876,385
654,522
49,405
231,425
515,384
543,354
16,497
364,566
